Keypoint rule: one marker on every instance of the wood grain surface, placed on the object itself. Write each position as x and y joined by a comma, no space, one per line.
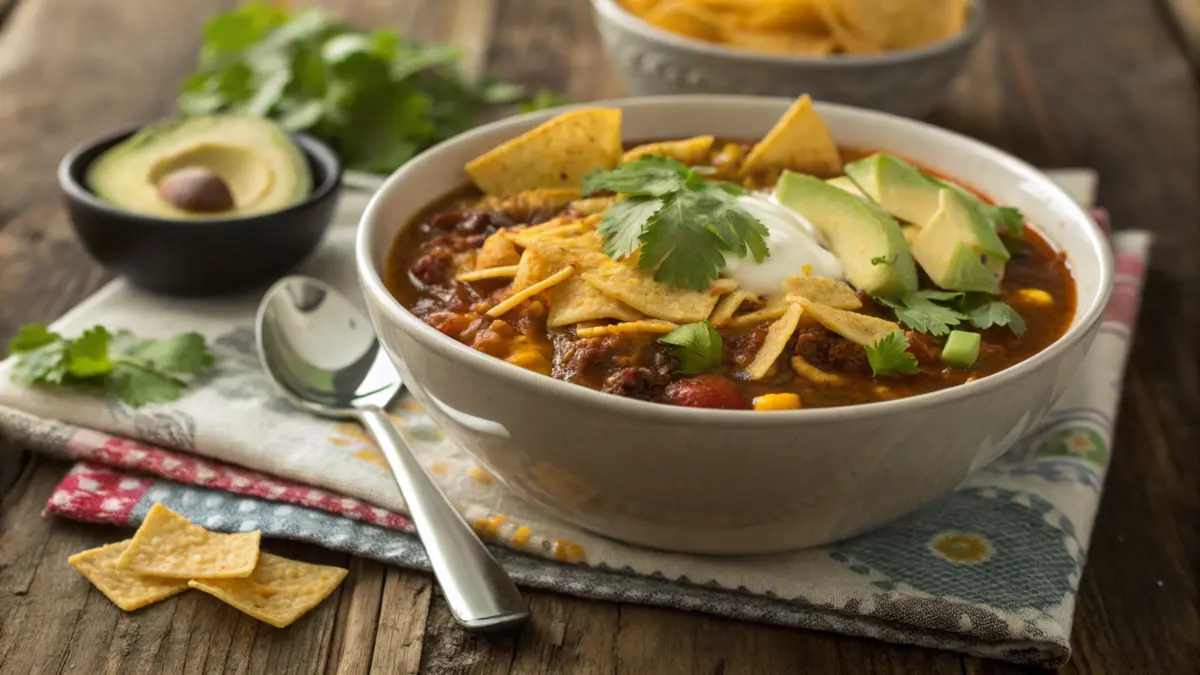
1099,83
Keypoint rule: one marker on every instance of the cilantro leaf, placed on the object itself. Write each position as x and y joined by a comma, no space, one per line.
375,98
681,251
890,355
685,239
697,347
88,354
623,224
122,365
985,311
138,386
543,99
883,260
918,311
647,176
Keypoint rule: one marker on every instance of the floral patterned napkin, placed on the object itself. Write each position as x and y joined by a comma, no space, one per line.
991,569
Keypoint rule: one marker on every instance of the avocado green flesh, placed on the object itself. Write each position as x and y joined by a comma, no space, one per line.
857,232
910,194
253,156
961,349
948,251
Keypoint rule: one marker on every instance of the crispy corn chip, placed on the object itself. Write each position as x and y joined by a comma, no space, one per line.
756,317
775,342
525,239
169,545
793,16
780,42
836,294
279,591
497,251
723,285
636,287
525,203
686,19
858,328
556,154
727,306
593,205
690,151
814,374
849,38
526,293
575,300
489,273
127,590
647,326
799,141
927,21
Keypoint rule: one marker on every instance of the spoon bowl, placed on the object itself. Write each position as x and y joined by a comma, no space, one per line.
323,356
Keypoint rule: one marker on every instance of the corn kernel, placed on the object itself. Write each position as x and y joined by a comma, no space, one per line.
1035,296
787,401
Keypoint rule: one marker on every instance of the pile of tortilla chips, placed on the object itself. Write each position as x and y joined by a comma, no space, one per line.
807,27
168,555
561,262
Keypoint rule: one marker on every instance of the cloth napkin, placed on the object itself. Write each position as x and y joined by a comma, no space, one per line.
992,569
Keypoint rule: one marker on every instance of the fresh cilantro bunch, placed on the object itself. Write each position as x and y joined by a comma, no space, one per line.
696,346
122,366
683,223
375,98
935,312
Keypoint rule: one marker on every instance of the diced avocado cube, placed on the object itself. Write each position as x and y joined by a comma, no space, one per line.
856,230
962,348
950,250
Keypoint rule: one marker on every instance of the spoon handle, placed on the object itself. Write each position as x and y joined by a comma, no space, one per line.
477,589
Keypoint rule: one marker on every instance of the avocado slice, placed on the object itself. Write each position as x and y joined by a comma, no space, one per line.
215,166
951,252
848,185
863,236
910,194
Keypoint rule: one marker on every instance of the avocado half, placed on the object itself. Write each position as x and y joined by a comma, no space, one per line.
253,156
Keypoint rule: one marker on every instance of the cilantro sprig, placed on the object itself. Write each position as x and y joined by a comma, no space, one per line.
918,311
890,355
123,366
696,346
985,311
683,224
375,97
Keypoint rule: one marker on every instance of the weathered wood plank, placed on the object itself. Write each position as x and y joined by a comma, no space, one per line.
22,533
567,635
1185,14
403,616
357,619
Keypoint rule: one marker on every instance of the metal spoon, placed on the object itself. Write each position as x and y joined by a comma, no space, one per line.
323,355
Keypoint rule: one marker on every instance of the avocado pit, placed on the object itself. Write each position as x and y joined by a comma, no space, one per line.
197,190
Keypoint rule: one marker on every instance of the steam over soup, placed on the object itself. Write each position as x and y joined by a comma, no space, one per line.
711,272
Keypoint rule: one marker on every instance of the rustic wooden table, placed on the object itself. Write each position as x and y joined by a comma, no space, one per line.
1100,83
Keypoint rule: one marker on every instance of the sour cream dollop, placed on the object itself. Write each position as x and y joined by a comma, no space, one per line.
793,243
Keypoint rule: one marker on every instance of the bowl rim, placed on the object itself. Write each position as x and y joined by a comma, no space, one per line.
973,27
382,300
314,150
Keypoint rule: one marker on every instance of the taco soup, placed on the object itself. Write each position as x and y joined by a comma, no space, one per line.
769,274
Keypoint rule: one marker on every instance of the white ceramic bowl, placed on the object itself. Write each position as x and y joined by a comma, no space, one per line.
730,481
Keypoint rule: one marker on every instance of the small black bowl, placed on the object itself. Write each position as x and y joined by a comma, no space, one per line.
199,257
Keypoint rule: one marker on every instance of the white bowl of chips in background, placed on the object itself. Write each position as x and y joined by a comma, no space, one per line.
724,481
840,51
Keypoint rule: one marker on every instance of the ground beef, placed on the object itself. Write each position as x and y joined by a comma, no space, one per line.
642,382
449,323
574,356
740,350
829,351
456,296
924,347
493,340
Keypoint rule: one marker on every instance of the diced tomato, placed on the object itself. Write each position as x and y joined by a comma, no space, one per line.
705,391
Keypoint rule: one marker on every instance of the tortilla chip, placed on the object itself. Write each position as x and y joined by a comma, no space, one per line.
780,42
797,16
646,326
575,301
547,256
727,306
685,19
127,590
556,154
489,273
593,205
823,290
525,203
851,38
635,286
814,374
169,545
799,141
754,318
690,151
927,21
526,293
775,342
858,328
279,591
497,251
